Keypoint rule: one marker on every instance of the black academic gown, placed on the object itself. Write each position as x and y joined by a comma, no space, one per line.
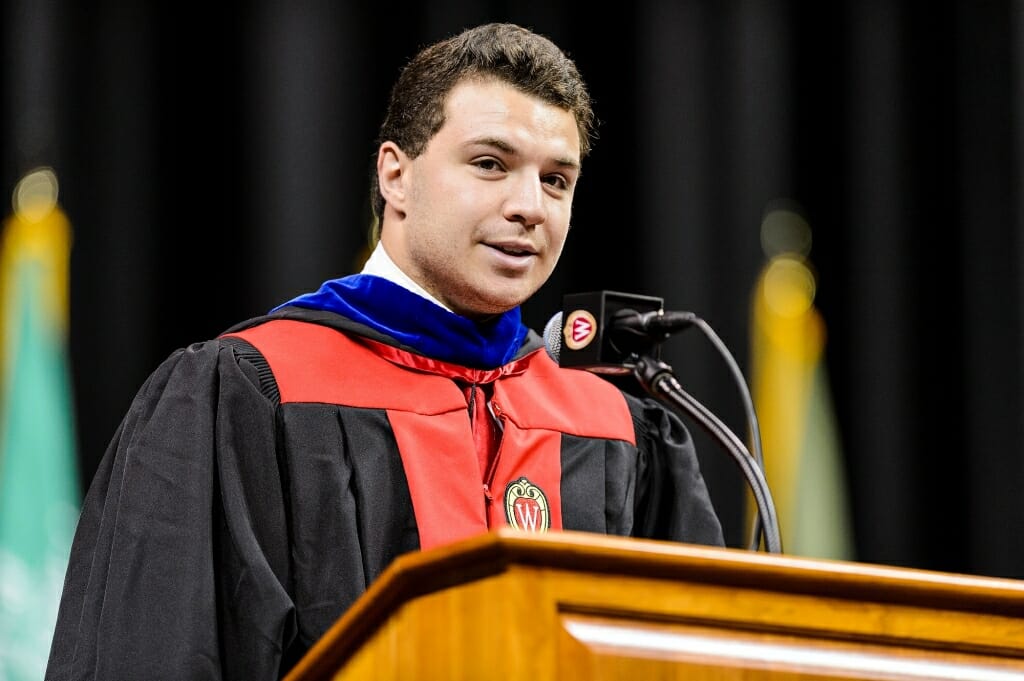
226,529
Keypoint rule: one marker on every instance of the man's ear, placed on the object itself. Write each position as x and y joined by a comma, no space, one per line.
392,164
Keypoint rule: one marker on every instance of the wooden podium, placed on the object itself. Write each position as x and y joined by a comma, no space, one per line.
538,607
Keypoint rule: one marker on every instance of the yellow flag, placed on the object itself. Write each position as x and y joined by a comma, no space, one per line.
800,440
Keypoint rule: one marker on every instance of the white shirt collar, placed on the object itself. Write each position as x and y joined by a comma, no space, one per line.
381,265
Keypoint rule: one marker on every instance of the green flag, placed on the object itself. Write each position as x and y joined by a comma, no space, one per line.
39,494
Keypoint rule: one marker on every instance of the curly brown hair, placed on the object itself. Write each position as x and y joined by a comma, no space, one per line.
528,61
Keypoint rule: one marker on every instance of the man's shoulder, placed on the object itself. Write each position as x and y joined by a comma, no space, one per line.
329,363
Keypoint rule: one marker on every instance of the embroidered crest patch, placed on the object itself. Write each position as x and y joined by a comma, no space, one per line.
526,507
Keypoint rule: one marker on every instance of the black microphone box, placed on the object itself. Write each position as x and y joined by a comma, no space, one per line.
587,341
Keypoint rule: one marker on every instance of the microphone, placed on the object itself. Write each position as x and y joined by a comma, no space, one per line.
604,331
656,326
619,333
553,336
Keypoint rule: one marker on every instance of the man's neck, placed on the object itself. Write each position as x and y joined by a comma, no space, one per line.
380,264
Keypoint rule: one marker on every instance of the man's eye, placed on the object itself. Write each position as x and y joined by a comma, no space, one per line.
557,181
487,164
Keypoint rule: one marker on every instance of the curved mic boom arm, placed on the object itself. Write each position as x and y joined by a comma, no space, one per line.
659,380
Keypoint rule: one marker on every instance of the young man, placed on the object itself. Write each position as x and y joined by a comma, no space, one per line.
261,480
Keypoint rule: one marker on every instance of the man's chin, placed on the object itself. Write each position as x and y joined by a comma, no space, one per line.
491,305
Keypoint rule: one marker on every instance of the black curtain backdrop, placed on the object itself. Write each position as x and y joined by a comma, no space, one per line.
213,162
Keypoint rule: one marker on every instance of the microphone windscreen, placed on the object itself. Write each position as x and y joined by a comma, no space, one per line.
553,336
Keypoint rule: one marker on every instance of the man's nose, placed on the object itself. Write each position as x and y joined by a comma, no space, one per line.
526,201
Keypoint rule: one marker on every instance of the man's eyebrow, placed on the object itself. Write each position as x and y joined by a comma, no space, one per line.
496,142
503,145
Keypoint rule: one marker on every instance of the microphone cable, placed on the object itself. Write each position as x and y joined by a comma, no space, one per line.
757,528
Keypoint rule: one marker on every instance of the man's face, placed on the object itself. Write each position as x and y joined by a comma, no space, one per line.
483,213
